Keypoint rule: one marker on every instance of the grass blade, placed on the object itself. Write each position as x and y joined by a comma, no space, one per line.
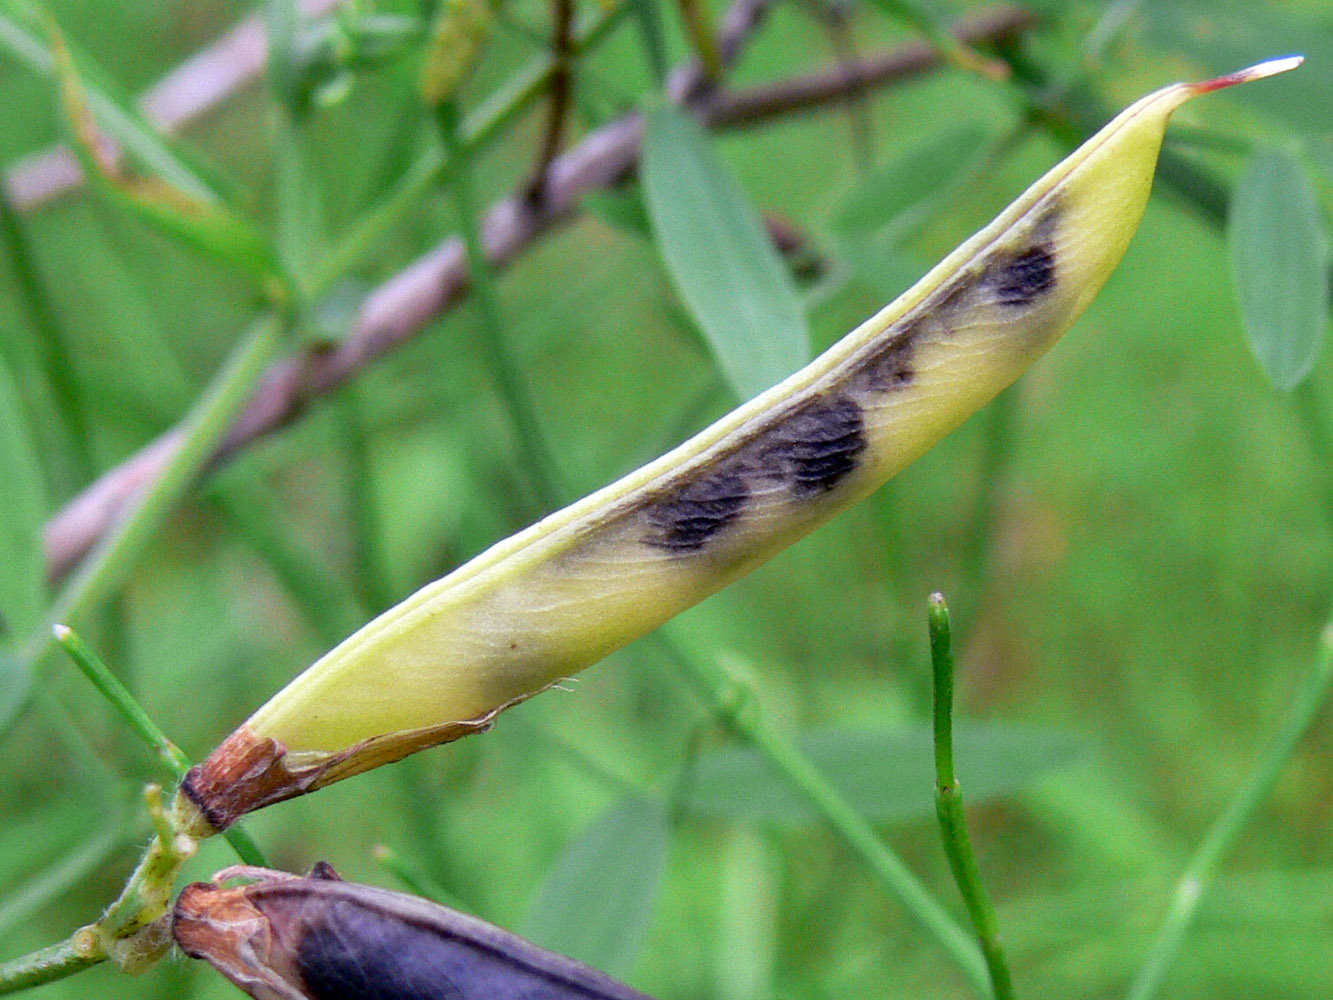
169,195
22,563
21,37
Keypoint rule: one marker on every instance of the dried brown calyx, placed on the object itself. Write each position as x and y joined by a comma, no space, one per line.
247,771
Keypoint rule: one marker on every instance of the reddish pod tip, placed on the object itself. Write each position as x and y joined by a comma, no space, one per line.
1271,67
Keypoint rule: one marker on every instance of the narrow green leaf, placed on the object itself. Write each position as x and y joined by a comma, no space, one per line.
56,400
170,196
720,258
22,38
22,507
900,193
598,899
1279,257
885,774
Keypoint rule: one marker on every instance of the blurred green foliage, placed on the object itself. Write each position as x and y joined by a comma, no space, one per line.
1137,539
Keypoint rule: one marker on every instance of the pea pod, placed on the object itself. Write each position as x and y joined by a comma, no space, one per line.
543,604
285,937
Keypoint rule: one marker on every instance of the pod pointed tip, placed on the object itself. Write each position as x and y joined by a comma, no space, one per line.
1270,67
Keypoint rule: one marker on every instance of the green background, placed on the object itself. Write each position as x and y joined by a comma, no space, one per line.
1148,586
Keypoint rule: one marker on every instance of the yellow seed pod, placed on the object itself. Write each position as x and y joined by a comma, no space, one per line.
461,30
586,580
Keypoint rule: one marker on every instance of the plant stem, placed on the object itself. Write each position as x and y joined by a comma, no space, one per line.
560,87
538,467
52,345
949,806
733,703
1223,835
582,763
203,430
92,667
201,433
45,966
25,900
291,186
110,687
373,581
260,522
199,436
1114,18
699,29
648,19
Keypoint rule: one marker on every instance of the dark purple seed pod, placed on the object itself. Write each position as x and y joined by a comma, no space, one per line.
287,937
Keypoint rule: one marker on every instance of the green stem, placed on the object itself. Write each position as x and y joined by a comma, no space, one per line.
370,229
200,436
291,183
294,225
25,900
92,667
45,966
197,440
648,20
420,798
949,806
245,848
942,673
373,581
110,687
147,893
734,705
536,458
1115,16
51,344
1193,882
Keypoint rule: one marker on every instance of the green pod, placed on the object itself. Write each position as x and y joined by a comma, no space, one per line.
552,599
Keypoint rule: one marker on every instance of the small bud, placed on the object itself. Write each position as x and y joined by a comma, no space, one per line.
86,943
460,34
285,937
